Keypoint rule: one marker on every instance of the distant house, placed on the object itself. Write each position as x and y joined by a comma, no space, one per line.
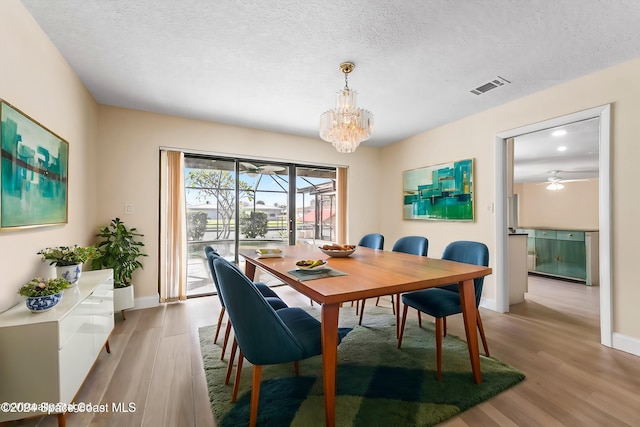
210,209
326,215
273,212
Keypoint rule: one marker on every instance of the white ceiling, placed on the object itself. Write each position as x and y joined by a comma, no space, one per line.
574,155
274,65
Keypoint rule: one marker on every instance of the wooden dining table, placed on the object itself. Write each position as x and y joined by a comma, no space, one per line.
369,273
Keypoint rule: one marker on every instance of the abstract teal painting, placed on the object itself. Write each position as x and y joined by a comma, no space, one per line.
441,192
33,172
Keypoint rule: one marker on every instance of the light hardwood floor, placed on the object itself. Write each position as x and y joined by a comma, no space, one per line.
553,337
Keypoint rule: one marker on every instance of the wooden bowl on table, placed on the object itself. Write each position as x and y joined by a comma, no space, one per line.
338,251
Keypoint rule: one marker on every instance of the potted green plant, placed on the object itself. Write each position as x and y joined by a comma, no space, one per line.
120,250
68,260
42,294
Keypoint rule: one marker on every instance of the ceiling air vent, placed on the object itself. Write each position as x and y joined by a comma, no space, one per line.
499,81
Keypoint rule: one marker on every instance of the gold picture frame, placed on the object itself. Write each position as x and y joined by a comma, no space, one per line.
34,172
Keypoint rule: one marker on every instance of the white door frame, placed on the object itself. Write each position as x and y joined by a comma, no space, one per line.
602,112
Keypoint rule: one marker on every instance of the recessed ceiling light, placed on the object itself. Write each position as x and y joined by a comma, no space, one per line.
559,132
562,148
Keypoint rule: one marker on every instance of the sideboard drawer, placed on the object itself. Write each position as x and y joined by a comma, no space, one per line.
75,321
577,236
74,362
545,234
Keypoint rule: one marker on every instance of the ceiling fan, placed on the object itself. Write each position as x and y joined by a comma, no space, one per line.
250,169
555,181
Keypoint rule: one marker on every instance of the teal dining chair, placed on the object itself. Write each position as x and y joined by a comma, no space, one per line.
415,245
372,240
265,336
272,298
269,295
444,301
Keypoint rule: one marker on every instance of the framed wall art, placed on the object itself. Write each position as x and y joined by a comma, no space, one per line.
33,172
441,192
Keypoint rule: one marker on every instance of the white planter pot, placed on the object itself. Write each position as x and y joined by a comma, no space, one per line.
123,298
70,273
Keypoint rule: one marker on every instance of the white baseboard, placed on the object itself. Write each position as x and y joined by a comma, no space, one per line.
625,343
146,302
489,304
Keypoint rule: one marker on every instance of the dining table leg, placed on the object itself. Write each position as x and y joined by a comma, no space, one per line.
250,270
397,302
469,313
330,359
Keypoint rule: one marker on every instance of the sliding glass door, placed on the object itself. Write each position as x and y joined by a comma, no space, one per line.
235,204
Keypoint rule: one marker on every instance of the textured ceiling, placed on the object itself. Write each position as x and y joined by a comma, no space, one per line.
274,65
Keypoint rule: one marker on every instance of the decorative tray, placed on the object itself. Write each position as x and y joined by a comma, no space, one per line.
269,253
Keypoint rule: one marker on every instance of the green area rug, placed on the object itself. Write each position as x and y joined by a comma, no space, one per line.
377,384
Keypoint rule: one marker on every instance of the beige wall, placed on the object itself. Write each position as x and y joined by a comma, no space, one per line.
575,207
36,79
445,144
475,137
128,170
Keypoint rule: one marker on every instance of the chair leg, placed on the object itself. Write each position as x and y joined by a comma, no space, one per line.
236,382
361,312
393,305
227,332
377,301
484,339
296,367
219,325
404,318
234,347
444,326
439,346
255,395
419,319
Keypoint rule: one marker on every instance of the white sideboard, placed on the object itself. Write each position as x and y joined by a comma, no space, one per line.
45,357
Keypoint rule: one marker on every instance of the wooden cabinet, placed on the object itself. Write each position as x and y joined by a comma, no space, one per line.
45,357
571,254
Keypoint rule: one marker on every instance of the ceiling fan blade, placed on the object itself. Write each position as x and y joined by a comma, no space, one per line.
248,166
574,180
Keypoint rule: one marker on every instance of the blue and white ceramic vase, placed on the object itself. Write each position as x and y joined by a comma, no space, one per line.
42,304
70,273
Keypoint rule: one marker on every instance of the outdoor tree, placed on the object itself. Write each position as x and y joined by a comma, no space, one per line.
196,224
219,185
254,224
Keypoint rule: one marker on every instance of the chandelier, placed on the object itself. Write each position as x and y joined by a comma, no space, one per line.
346,126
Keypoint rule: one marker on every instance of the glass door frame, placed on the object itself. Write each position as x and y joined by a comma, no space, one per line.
289,232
